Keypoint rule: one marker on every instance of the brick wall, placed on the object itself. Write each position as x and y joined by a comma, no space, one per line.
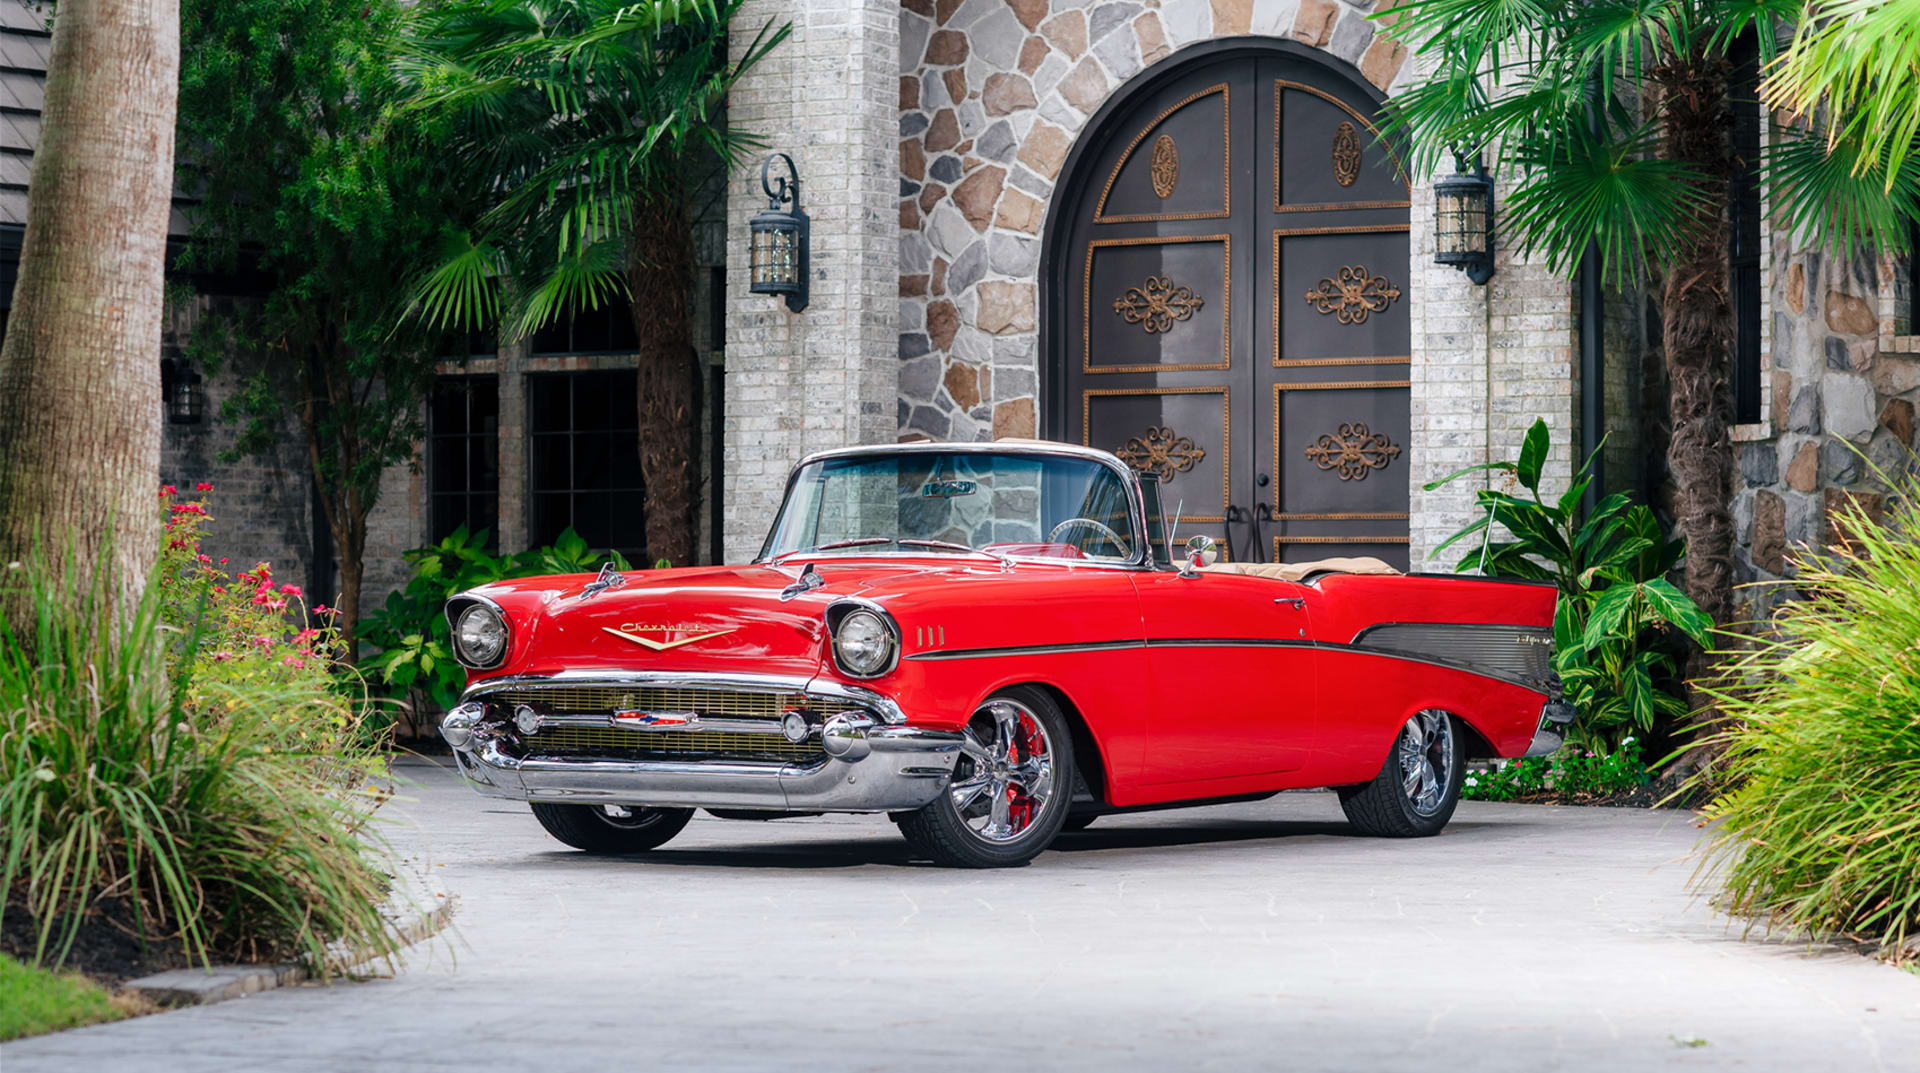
826,377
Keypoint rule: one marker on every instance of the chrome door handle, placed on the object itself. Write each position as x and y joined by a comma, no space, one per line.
1299,603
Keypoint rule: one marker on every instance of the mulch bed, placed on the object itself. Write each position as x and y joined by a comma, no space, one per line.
101,950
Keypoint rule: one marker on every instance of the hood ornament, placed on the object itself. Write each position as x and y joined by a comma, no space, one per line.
608,578
809,580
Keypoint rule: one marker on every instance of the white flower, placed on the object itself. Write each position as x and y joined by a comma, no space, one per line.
1472,781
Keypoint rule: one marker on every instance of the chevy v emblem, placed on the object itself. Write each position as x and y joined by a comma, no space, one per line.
661,646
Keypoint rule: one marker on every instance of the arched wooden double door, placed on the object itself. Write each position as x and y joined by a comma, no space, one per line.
1227,303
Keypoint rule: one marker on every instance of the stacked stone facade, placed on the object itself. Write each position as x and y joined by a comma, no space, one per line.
1844,369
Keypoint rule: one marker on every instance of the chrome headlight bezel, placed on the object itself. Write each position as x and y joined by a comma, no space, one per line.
870,617
459,610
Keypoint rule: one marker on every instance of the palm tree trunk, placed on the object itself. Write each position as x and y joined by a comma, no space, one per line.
1697,330
80,403
660,273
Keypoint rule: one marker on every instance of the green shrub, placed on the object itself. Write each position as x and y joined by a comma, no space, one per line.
1612,650
1572,775
227,813
415,661
1821,741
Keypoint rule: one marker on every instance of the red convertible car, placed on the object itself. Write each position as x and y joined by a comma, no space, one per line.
989,643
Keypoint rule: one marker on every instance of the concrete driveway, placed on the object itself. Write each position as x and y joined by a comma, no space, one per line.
1257,937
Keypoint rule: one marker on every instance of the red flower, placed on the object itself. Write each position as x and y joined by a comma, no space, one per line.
323,609
202,559
290,590
294,661
223,561
219,590
306,635
276,605
168,490
203,486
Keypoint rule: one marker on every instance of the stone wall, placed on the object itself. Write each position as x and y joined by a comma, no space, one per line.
1839,389
993,94
802,382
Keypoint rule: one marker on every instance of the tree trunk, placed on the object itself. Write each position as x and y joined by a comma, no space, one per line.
80,405
1697,337
660,272
341,498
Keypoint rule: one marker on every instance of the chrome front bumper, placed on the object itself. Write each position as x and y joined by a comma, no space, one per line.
872,765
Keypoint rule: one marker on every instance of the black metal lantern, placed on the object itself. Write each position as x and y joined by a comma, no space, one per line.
1463,222
184,393
777,242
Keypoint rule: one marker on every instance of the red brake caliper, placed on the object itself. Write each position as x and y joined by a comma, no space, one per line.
1020,804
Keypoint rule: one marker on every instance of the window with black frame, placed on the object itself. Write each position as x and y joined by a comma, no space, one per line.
1743,238
606,330
463,456
584,459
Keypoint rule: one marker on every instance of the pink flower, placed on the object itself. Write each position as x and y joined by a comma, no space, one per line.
222,656
219,590
290,590
168,490
293,661
276,605
262,596
202,559
323,609
306,635
261,641
203,486
223,561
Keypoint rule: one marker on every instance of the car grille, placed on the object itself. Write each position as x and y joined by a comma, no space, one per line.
621,743
611,743
732,703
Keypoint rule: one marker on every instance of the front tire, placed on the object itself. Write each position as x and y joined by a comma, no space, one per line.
1010,790
611,829
1417,788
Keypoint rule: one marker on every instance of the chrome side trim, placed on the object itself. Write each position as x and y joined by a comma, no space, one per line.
1028,650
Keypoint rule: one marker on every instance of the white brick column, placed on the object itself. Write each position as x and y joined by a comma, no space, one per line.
829,376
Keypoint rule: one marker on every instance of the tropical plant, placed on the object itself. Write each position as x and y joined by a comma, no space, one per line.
1612,649
314,184
185,808
78,453
1858,60
1571,775
1821,745
415,662
589,120
1610,119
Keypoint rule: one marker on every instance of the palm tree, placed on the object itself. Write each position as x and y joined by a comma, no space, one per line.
1611,120
80,370
1858,59
589,120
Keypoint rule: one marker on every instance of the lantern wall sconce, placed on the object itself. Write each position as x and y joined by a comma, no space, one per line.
777,238
1463,221
183,392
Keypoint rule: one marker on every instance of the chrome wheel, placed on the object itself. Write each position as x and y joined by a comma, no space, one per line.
1426,760
1003,781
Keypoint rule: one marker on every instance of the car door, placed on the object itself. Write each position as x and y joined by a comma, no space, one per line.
1230,676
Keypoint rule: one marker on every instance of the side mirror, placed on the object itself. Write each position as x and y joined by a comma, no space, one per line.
1201,552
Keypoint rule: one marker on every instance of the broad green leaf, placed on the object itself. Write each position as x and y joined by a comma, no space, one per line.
1533,455
1676,608
1610,613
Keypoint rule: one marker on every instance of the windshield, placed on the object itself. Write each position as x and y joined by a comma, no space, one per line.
1012,504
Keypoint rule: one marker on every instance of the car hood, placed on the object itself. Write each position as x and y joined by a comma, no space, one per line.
722,618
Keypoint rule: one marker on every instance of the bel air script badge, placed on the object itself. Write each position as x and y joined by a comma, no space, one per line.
631,631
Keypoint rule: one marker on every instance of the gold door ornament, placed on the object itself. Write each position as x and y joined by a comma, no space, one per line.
1161,450
1164,168
1157,303
1354,451
1352,294
1346,155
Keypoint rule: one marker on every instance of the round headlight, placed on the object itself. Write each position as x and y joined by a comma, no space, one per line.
862,643
480,636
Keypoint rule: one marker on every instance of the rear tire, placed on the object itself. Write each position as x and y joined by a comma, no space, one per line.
1010,788
611,829
1417,788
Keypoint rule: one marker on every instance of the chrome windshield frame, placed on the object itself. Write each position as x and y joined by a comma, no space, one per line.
1141,559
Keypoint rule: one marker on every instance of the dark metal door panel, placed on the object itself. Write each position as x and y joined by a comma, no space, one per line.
1233,303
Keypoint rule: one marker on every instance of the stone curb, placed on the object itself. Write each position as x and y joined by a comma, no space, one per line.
218,983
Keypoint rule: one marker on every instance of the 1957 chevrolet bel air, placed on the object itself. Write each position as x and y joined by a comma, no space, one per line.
989,643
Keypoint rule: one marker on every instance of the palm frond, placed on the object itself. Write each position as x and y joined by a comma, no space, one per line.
460,293
1580,188
1842,193
584,280
1857,60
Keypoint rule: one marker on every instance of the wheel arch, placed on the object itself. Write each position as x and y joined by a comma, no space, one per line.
1088,757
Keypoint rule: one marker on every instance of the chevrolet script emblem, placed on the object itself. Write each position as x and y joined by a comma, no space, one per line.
631,631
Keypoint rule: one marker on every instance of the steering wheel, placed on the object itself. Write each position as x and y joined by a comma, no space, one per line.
1112,537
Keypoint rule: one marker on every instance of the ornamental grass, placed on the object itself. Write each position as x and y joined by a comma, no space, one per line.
1820,832
142,788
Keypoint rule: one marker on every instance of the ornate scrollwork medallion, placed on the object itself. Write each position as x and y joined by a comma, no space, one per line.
1160,450
1157,303
1346,155
1164,168
1354,451
1352,293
